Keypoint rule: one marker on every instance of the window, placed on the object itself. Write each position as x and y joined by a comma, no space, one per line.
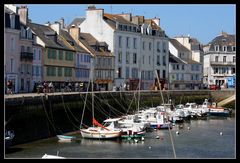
28,49
127,42
234,48
134,73
177,67
182,67
149,60
150,45
234,59
127,57
119,57
68,72
143,59
22,48
215,70
224,58
127,72
12,44
164,47
119,72
143,45
224,48
164,60
59,71
173,66
134,58
158,60
12,21
37,70
164,74
233,70
11,64
216,58
34,54
158,46
135,43
120,41
69,56
216,48
60,55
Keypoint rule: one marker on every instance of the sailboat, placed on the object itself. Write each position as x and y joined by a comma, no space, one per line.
99,131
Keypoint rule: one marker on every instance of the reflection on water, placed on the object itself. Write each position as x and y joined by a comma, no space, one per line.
196,139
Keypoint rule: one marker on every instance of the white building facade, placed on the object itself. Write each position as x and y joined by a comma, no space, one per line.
220,61
133,43
184,73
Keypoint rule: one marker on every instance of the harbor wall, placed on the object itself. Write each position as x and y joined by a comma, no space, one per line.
38,116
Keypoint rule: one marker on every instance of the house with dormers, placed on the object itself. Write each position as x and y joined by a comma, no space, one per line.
184,72
220,61
82,64
58,58
11,48
103,60
124,35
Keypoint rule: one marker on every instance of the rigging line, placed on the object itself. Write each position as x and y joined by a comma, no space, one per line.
107,103
121,105
134,97
114,109
100,108
51,114
67,113
45,110
84,106
174,153
72,114
110,106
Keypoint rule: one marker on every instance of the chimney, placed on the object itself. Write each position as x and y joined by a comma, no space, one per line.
56,27
126,16
93,14
157,21
74,32
23,13
61,21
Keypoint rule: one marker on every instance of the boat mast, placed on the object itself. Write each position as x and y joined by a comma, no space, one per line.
92,87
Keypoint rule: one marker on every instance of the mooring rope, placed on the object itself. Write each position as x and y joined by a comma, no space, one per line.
45,110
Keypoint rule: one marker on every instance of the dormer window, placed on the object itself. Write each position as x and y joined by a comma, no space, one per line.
234,48
120,27
224,48
12,21
216,47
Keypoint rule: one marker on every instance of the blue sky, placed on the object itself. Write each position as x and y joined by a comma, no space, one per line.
203,22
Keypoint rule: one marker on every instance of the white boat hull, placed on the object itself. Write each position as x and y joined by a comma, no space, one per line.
99,134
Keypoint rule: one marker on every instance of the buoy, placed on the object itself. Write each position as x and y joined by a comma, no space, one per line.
177,132
135,140
188,128
221,133
157,137
149,147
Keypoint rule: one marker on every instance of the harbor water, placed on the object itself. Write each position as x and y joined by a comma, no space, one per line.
210,138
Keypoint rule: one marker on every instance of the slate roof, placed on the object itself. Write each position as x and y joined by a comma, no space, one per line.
71,43
178,45
46,34
174,59
88,41
223,40
76,22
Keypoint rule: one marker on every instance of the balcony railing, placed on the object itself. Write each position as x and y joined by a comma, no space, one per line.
27,56
222,63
